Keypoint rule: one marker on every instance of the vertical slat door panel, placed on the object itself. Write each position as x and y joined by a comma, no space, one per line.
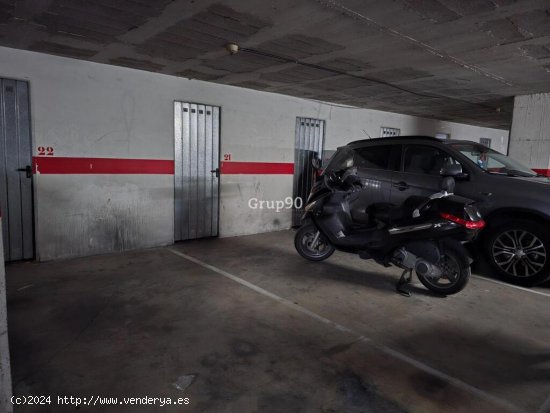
193,177
197,212
321,135
305,166
215,164
178,170
308,168
16,201
201,170
302,147
186,169
297,160
310,134
12,164
25,184
3,174
300,122
208,167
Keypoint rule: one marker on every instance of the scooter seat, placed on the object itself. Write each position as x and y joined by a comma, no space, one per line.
390,214
385,212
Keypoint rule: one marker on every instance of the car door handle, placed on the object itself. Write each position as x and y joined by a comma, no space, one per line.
27,169
217,171
401,186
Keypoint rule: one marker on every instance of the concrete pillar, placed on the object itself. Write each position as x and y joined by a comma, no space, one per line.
5,371
530,134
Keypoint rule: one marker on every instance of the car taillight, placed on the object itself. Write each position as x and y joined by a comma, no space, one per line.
468,224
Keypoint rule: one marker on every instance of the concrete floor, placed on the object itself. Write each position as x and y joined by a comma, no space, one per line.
262,330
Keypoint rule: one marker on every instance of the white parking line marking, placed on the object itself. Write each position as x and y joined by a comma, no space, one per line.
400,356
517,287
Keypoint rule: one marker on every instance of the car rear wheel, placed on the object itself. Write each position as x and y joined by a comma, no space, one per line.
519,251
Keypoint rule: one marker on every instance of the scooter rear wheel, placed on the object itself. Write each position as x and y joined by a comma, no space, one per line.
455,276
304,239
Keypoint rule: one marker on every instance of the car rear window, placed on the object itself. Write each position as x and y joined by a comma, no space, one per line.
373,157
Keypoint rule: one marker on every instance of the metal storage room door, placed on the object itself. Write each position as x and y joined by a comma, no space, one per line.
15,170
310,137
197,139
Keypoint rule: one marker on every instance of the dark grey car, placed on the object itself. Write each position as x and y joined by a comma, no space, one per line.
513,199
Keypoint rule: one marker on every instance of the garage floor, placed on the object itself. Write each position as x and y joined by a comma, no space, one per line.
255,328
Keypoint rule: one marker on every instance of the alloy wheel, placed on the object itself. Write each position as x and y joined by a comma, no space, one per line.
519,253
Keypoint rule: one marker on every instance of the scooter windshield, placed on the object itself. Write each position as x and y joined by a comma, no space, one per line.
341,160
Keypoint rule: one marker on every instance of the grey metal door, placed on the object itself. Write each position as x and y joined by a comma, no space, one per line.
197,138
310,138
15,170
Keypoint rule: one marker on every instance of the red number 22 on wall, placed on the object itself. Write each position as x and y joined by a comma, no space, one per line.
47,151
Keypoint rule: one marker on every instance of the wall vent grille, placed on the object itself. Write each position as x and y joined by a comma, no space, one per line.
386,132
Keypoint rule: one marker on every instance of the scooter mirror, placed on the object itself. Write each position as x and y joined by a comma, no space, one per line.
316,162
453,170
448,184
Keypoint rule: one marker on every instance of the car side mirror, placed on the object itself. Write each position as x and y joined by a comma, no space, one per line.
453,170
316,162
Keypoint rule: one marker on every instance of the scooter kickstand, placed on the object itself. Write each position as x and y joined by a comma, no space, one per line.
404,280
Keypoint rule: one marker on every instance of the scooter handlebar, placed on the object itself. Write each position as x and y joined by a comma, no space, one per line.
347,180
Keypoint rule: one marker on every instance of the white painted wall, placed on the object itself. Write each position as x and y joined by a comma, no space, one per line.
5,371
530,134
87,109
360,124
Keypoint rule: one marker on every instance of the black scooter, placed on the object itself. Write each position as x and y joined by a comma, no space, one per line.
424,234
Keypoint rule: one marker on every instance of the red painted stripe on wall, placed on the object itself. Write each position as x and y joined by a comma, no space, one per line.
69,165
545,172
256,168
64,165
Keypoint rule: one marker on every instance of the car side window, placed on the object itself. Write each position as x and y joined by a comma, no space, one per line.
373,157
424,159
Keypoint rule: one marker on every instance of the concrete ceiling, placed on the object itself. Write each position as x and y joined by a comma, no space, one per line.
460,60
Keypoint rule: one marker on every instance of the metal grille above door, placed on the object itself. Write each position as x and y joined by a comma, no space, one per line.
485,142
310,138
197,138
386,132
16,202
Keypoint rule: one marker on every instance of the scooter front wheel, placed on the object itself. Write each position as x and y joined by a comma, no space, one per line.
455,273
312,244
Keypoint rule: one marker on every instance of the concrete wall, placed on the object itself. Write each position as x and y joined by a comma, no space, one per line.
84,109
530,134
5,371
360,124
